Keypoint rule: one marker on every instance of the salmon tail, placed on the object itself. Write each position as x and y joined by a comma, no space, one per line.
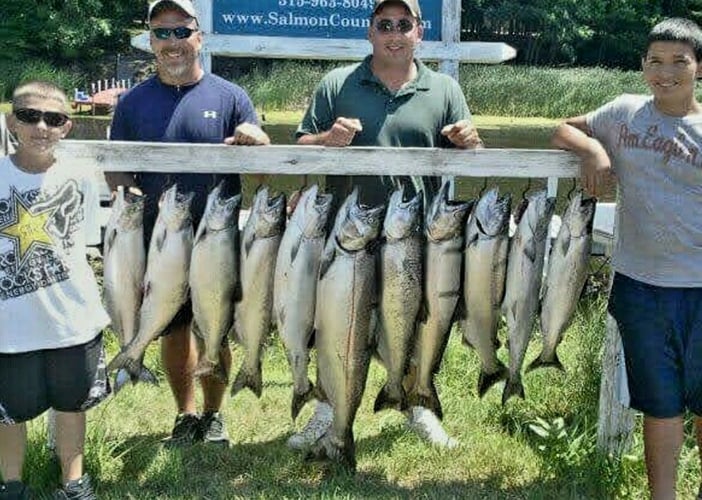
513,387
300,398
342,452
124,362
391,397
147,376
121,379
250,380
487,380
544,361
207,368
428,401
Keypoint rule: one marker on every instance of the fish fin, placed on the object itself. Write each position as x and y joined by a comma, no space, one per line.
319,393
545,361
466,341
248,243
327,260
342,452
487,380
160,240
295,248
252,381
565,244
121,379
146,376
391,398
530,252
109,241
513,387
299,400
123,361
206,368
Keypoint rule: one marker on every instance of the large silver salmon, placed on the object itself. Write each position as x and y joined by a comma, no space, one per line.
346,319
253,314
214,279
523,285
295,287
487,244
400,281
567,272
124,260
166,279
445,221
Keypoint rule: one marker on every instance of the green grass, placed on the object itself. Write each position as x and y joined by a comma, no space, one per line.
499,457
501,90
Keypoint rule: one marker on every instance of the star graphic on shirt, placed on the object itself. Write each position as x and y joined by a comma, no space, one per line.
28,229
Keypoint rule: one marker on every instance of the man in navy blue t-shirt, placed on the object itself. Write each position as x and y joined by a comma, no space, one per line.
182,103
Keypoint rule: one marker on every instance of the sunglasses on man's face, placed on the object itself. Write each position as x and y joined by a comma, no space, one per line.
180,32
388,26
34,116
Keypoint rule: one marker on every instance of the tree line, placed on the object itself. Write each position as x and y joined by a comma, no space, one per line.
544,32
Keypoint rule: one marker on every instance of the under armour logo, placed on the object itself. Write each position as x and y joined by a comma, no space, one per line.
209,114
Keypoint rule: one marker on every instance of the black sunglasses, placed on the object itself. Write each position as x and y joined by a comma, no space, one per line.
388,26
34,116
180,32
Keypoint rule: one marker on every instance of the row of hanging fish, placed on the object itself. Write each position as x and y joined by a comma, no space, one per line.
211,267
389,282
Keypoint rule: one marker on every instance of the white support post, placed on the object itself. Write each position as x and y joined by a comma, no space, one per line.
615,423
4,139
204,9
450,33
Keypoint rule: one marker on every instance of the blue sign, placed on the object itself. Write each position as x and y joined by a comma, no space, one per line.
308,18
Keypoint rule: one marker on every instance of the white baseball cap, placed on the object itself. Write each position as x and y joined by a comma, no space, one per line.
184,5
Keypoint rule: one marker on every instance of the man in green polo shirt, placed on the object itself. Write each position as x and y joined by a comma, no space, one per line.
390,99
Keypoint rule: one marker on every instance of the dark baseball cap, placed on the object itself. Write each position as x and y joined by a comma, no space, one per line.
184,5
412,6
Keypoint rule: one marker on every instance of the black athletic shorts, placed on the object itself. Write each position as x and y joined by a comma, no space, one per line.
71,379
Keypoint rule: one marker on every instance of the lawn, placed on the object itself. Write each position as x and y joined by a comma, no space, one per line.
500,456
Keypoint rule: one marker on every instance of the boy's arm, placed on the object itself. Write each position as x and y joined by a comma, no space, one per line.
596,168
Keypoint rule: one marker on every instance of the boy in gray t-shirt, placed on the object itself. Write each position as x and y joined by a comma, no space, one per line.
652,144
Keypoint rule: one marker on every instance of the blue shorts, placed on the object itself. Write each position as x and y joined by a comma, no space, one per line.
661,330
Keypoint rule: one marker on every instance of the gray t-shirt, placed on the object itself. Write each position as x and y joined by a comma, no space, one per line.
658,164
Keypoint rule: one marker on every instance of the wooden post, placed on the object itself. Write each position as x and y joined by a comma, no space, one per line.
615,422
450,33
204,9
4,139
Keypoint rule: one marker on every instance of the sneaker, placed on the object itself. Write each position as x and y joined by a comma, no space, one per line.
78,489
213,430
314,429
423,422
187,430
15,490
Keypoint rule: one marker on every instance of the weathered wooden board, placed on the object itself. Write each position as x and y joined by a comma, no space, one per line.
116,156
274,47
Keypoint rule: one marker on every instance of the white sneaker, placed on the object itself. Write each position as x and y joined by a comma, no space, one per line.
314,429
428,427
